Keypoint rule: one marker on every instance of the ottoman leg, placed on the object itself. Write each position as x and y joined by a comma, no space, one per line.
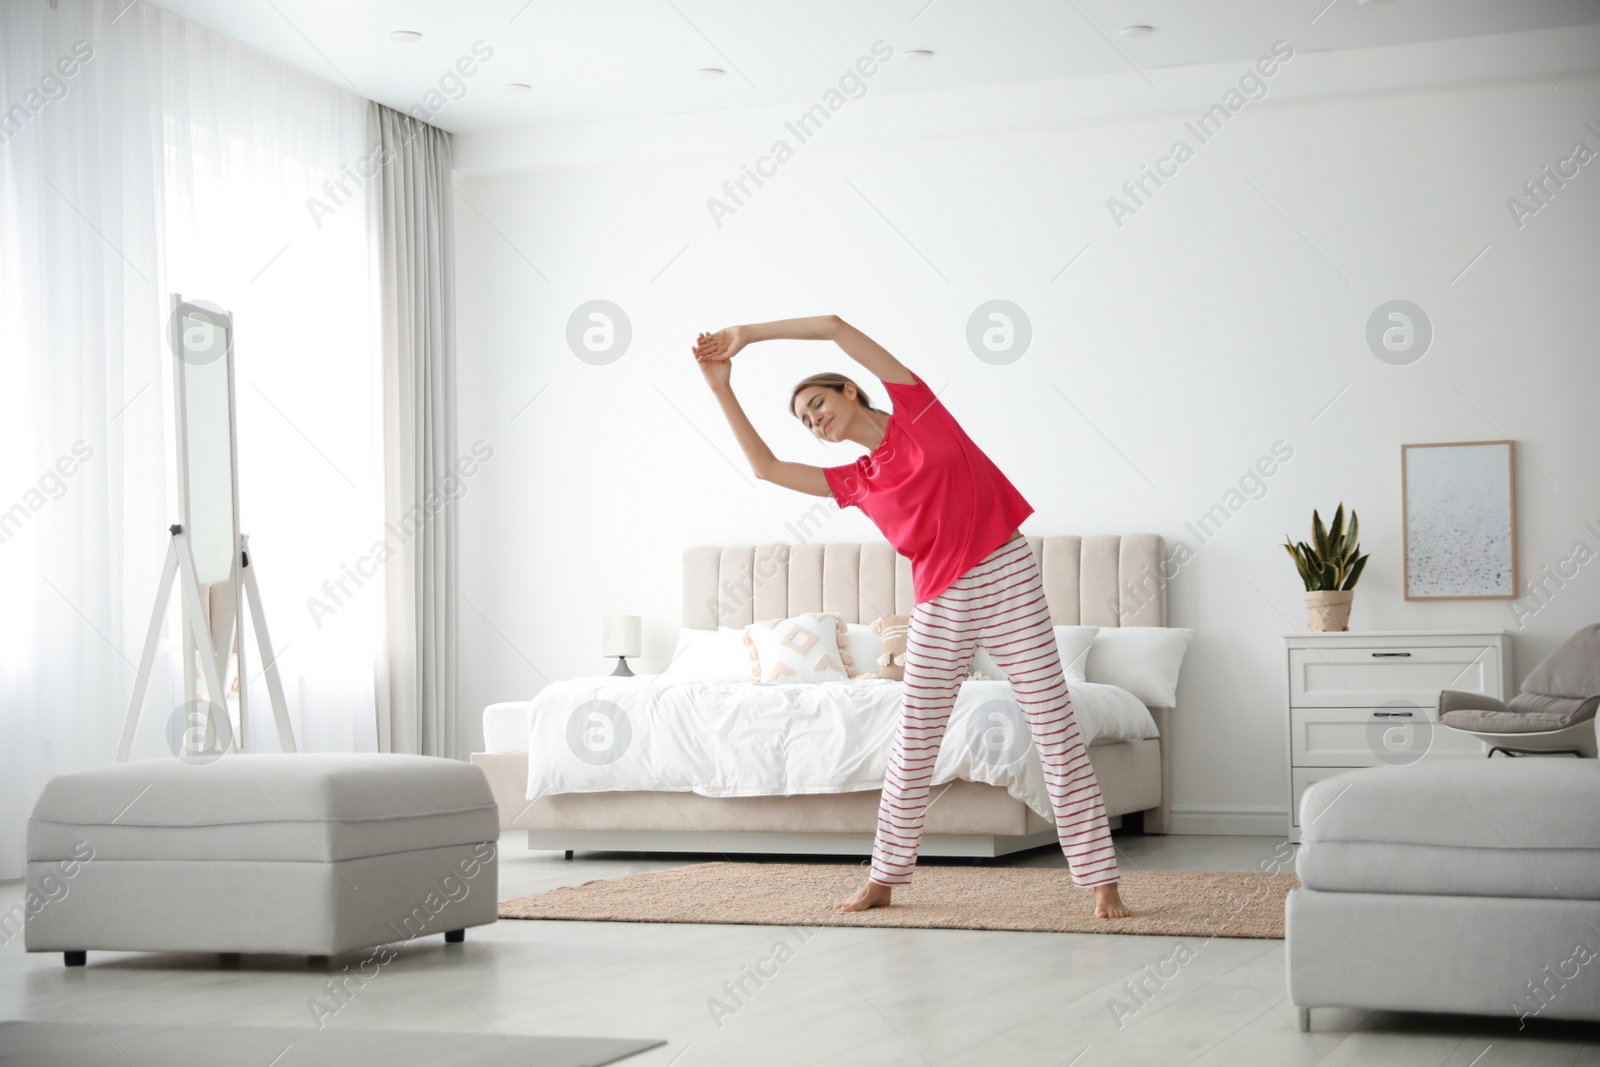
1303,1019
76,959
454,937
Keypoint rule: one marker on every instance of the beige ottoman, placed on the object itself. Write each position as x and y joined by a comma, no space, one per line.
312,854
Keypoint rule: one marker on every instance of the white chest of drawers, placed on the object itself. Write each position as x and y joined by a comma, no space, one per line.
1370,699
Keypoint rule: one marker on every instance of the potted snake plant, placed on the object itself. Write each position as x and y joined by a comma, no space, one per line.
1329,567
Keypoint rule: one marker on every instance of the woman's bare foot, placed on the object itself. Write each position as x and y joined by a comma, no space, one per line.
871,895
1108,903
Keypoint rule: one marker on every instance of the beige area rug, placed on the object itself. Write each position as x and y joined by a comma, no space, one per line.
1171,903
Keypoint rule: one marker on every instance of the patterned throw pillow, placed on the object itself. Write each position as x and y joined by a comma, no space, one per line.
892,661
802,648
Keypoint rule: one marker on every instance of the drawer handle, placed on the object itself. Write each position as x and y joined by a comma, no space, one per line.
1380,654
1391,714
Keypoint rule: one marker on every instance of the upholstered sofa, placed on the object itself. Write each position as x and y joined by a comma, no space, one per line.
1469,886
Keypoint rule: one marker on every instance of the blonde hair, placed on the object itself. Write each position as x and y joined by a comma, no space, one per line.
836,382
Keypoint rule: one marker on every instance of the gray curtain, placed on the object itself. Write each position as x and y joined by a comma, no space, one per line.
416,271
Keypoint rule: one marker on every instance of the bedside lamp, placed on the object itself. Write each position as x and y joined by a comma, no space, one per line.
622,641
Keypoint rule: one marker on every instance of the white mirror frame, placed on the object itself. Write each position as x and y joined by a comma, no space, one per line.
201,517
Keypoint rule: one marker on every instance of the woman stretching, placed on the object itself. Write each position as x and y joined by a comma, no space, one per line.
942,504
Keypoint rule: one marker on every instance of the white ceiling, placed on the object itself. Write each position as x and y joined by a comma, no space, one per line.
609,59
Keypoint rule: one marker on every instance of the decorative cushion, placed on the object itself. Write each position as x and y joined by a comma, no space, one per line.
1072,642
709,656
862,646
892,630
802,648
1144,660
891,651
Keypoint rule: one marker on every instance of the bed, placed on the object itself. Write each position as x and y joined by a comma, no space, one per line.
724,768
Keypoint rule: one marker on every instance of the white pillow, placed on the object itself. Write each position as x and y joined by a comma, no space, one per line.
1144,660
862,647
1075,643
801,648
1072,642
709,656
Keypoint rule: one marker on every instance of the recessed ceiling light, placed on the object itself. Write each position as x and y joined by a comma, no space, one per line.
709,73
918,53
517,87
404,36
1137,31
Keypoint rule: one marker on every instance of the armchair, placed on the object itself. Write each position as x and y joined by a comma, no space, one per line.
1553,713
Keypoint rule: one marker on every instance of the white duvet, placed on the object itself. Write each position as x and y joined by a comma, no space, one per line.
741,739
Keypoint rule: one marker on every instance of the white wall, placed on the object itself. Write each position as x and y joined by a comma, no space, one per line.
1222,317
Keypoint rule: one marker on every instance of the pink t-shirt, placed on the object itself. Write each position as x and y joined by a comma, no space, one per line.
939,501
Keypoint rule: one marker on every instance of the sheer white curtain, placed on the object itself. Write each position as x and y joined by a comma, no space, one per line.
142,155
264,219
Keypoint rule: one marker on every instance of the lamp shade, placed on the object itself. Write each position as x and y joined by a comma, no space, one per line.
621,636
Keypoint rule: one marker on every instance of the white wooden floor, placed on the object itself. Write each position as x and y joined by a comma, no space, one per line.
840,996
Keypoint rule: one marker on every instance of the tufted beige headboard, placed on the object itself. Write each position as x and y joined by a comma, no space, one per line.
1096,580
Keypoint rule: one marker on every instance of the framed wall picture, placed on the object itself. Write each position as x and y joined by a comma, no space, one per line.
1459,509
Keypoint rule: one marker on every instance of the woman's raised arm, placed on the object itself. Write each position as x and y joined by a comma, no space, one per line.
801,477
724,344
766,466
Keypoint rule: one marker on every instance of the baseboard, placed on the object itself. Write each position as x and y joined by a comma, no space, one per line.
1245,821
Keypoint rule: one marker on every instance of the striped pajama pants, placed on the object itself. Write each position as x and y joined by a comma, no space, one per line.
1000,604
